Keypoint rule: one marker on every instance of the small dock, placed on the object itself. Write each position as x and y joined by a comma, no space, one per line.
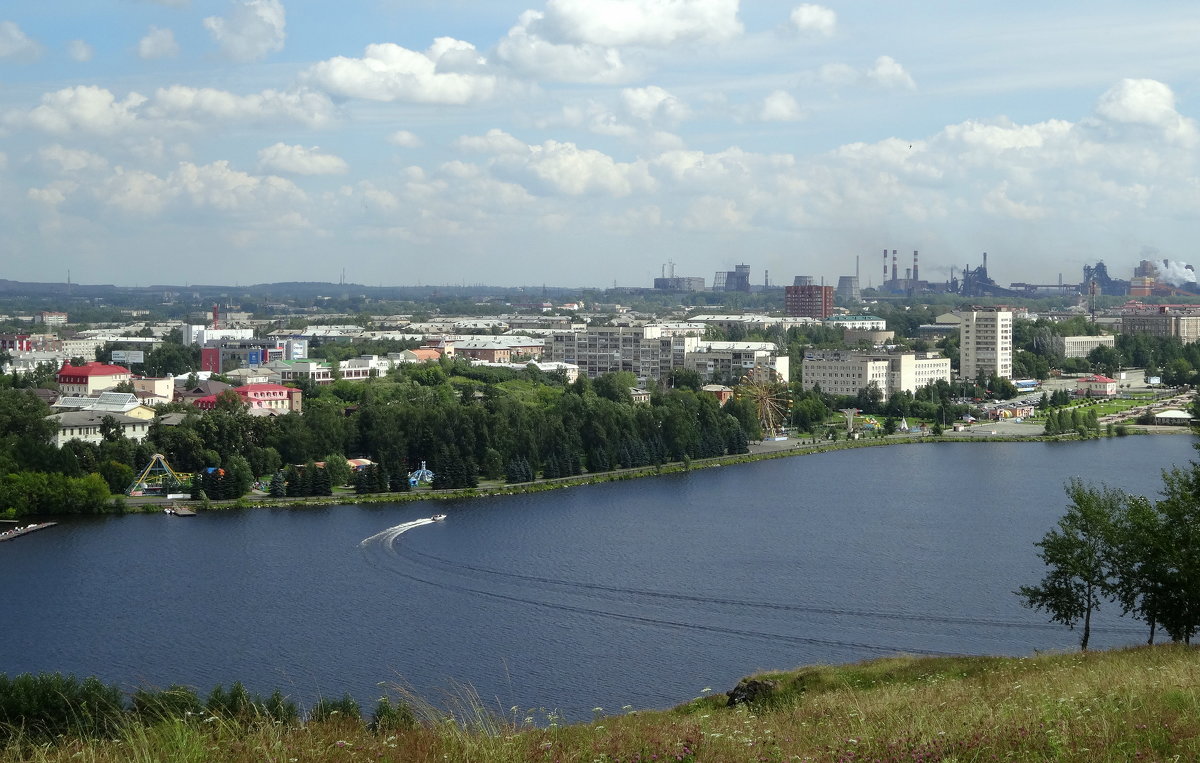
17,532
178,510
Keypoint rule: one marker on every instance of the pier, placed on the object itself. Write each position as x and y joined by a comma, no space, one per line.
19,531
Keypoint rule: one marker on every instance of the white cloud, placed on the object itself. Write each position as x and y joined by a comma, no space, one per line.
568,169
405,139
654,104
180,102
80,51
253,29
15,45
158,43
648,23
1146,103
887,72
53,194
582,40
998,203
1138,101
533,56
711,213
298,160
884,72
781,106
96,110
813,19
71,159
85,108
838,75
389,72
496,141
214,186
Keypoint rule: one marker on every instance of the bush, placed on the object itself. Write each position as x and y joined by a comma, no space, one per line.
390,718
325,709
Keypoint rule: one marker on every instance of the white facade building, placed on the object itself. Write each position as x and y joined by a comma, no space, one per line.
985,343
845,373
861,322
1080,346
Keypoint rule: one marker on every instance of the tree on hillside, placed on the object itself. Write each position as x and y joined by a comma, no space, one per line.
1174,574
1077,553
1137,561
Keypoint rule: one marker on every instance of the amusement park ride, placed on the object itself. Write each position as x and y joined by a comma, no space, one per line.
158,478
770,399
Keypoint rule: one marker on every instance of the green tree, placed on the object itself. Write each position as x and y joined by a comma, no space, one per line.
1076,554
338,469
278,487
1174,561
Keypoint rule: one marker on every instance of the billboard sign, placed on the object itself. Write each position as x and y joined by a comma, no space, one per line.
128,356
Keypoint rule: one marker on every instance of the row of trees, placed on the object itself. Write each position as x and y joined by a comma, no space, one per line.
1114,547
467,423
46,706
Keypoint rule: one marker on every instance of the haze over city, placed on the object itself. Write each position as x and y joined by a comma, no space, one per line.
585,142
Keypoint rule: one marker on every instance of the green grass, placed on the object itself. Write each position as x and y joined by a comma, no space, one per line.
1130,704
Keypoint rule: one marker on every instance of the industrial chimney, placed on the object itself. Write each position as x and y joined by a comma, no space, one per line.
884,266
894,273
985,263
916,273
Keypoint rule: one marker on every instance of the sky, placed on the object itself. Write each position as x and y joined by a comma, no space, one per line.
591,143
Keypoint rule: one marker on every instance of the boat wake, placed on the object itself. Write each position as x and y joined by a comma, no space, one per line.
388,536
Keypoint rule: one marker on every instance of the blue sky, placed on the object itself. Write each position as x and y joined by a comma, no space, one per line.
588,142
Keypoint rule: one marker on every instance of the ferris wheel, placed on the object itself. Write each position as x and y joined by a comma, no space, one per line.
770,398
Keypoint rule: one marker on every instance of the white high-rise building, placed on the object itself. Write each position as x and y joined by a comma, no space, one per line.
985,343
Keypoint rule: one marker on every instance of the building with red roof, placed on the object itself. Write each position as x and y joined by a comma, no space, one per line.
260,399
1097,386
90,378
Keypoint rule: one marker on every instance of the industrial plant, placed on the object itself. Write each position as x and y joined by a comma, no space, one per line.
1151,278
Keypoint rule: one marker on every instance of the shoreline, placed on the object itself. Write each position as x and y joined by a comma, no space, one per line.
791,449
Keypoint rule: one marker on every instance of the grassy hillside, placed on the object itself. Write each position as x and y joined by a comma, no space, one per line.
1134,704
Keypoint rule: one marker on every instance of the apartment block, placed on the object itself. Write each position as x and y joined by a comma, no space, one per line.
808,301
1186,327
985,343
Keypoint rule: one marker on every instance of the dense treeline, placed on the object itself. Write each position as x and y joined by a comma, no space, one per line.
466,423
46,706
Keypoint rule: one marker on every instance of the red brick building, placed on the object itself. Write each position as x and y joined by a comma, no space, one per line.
808,301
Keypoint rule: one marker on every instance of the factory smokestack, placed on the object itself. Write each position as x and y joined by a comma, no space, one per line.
985,263
884,266
856,267
894,273
916,273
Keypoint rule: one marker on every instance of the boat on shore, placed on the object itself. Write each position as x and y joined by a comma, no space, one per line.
438,517
17,532
178,510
